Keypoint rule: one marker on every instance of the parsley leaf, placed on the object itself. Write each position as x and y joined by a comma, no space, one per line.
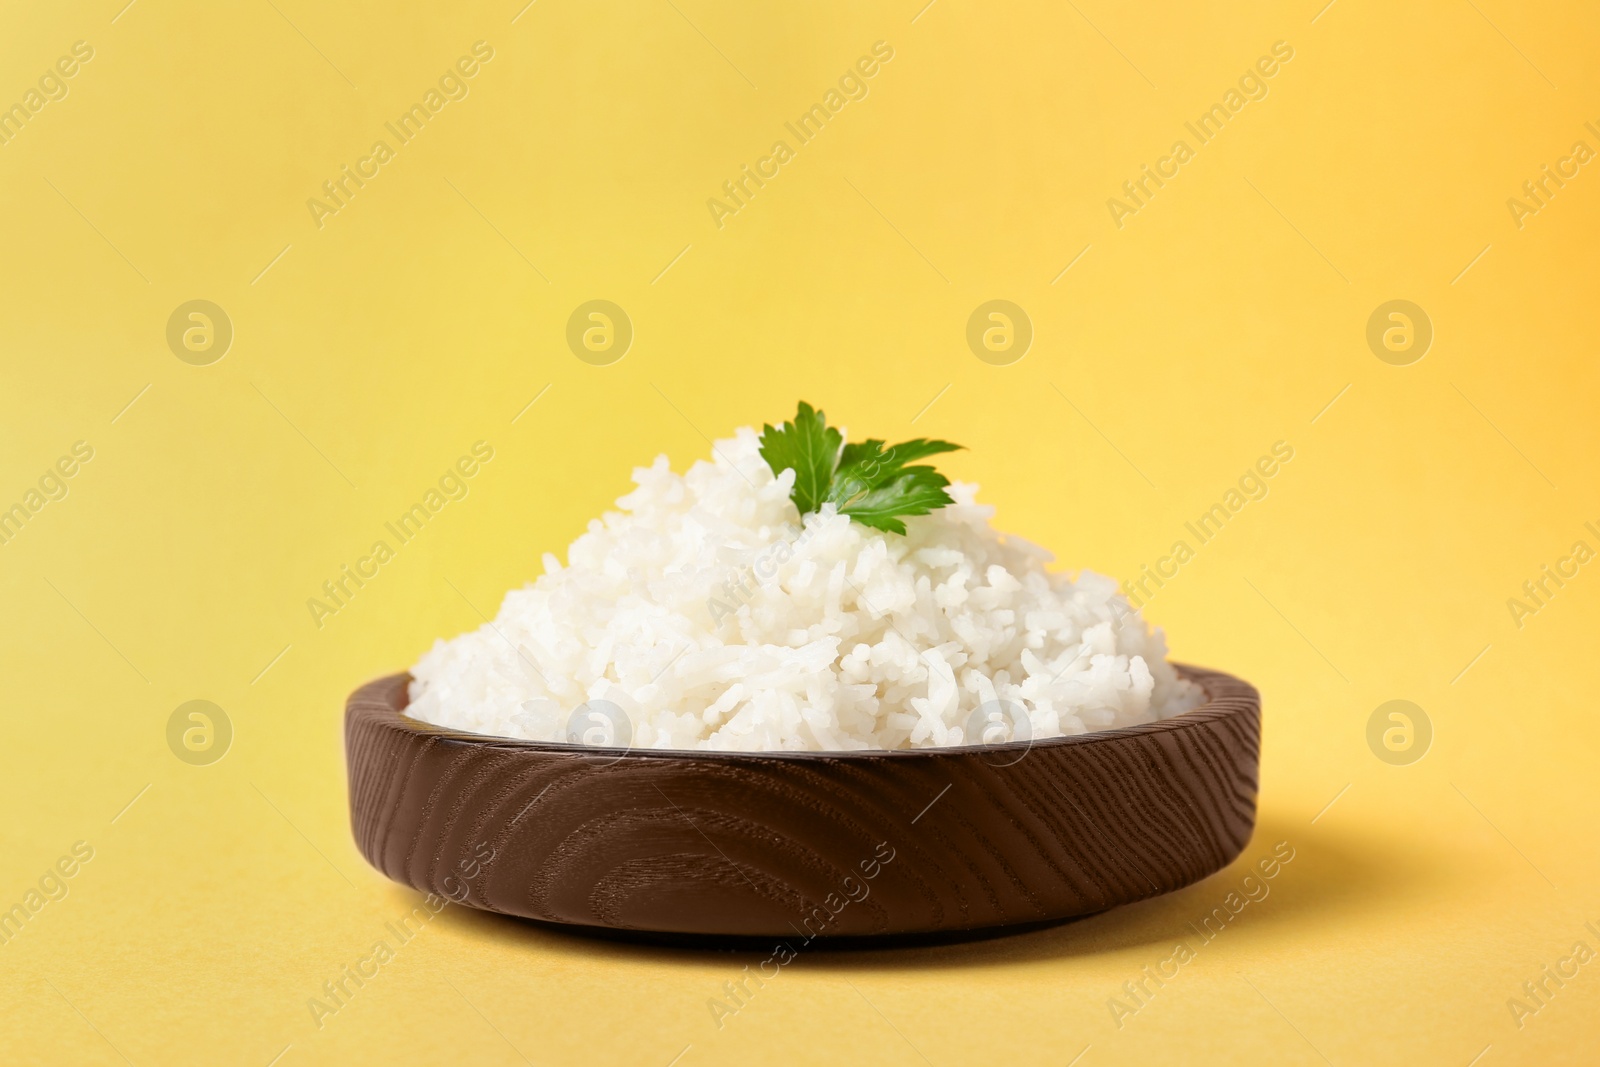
912,491
809,447
871,452
864,480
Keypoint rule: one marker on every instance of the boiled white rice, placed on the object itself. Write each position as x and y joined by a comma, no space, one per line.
706,615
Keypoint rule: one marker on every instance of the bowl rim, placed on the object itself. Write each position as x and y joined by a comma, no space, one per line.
1226,696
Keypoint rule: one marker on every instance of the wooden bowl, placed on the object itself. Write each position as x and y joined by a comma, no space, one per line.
799,845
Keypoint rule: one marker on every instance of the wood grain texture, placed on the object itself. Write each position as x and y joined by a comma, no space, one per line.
804,844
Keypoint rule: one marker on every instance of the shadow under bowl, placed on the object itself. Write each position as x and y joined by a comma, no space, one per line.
848,846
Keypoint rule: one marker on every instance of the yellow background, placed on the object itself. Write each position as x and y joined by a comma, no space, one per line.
1226,315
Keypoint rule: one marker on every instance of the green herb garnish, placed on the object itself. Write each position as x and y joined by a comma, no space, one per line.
867,482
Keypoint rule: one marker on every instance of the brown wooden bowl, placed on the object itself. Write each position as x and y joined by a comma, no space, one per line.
799,845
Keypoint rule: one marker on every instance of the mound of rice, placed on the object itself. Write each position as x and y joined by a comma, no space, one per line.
714,618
